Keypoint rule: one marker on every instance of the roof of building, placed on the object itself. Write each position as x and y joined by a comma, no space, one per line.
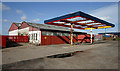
17,24
44,26
47,27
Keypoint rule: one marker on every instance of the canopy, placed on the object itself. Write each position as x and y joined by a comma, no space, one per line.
79,20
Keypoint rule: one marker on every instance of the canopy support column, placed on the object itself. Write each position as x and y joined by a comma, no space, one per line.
105,33
71,36
91,35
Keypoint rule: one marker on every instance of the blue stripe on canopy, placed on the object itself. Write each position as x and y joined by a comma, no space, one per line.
79,13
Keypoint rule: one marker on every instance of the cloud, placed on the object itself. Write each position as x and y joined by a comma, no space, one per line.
19,11
107,13
6,20
4,7
105,18
35,20
23,17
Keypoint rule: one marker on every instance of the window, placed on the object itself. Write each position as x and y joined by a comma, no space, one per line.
36,36
58,33
21,34
50,33
29,37
47,33
43,33
66,34
55,33
63,34
32,36
73,34
76,34
69,34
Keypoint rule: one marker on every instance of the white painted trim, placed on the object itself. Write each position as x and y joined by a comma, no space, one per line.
24,30
13,32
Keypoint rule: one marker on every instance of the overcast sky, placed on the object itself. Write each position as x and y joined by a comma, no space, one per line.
37,12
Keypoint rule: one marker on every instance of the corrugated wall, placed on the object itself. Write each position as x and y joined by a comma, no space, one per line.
85,38
49,40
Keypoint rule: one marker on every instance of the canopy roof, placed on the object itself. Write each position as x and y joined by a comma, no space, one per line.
79,20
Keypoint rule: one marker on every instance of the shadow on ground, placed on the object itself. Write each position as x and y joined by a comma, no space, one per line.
27,64
39,63
12,44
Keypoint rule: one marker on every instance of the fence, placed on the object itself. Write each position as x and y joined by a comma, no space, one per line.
98,37
18,39
6,40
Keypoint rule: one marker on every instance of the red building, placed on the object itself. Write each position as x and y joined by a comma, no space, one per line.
43,34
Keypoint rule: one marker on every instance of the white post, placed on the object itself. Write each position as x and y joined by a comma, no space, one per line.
71,35
91,35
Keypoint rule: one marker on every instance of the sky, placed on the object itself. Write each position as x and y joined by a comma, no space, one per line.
37,12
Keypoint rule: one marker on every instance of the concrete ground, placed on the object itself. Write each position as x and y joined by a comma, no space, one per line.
101,55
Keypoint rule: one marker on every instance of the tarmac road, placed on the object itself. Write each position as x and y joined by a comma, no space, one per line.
98,56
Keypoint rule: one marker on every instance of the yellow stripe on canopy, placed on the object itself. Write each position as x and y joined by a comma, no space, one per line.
104,27
88,28
99,27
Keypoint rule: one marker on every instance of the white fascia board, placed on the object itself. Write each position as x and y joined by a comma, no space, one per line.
14,32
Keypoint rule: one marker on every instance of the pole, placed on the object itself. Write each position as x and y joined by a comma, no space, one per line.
91,35
71,34
105,33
